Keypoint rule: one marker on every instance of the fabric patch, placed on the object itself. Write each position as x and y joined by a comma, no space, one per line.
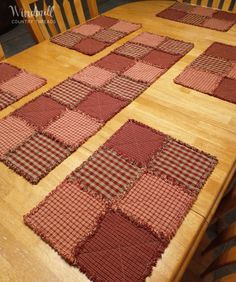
232,73
222,15
22,84
199,80
89,46
101,106
172,14
40,111
94,76
8,71
148,39
73,128
157,203
67,39
36,157
125,88
86,29
106,174
13,131
213,64
115,63
133,50
108,35
136,142
193,19
125,27
222,51
103,21
144,73
65,218
177,47
161,59
226,90
6,99
202,11
69,92
119,251
184,164
218,24
182,7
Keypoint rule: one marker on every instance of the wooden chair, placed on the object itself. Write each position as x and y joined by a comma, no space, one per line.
45,26
225,5
2,55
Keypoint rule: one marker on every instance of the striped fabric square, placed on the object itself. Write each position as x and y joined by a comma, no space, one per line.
89,46
73,128
144,72
6,99
157,203
106,174
218,24
199,80
94,76
183,164
13,131
67,39
108,35
202,11
103,21
22,84
119,251
8,71
65,218
125,27
69,92
87,29
133,50
36,157
193,19
148,39
125,88
177,47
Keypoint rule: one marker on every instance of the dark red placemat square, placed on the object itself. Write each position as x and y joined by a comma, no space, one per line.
226,90
225,16
104,21
89,46
172,14
8,71
222,51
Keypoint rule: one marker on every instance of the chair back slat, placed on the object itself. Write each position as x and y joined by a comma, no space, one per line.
2,55
93,8
41,24
79,10
68,12
49,19
58,16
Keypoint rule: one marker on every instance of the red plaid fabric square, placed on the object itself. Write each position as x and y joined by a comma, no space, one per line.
6,99
106,174
221,50
232,73
133,50
136,142
101,106
69,92
218,24
125,88
193,19
185,164
108,35
119,251
104,21
67,39
177,47
40,111
73,128
36,157
87,29
125,27
8,71
158,204
172,14
226,90
148,39
89,46
65,218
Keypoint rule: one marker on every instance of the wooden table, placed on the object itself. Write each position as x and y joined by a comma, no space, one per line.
197,119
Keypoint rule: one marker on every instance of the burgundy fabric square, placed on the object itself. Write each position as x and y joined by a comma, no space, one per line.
218,24
40,111
119,251
89,46
108,35
193,19
136,142
172,14
103,21
226,90
202,11
225,16
182,7
8,71
101,106
222,51
115,63
161,59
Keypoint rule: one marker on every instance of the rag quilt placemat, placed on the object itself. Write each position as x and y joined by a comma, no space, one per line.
114,216
199,16
16,83
42,133
95,35
213,72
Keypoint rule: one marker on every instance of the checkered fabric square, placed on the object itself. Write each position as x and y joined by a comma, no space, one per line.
119,251
108,35
104,21
101,106
65,218
89,46
87,29
186,165
8,71
69,92
6,99
13,131
36,157
221,50
133,50
158,204
106,174
136,142
177,47
67,39
144,72
73,128
125,27
226,90
148,39
199,80
22,84
218,24
125,88
232,73
202,11
40,111
193,19
94,76
172,14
